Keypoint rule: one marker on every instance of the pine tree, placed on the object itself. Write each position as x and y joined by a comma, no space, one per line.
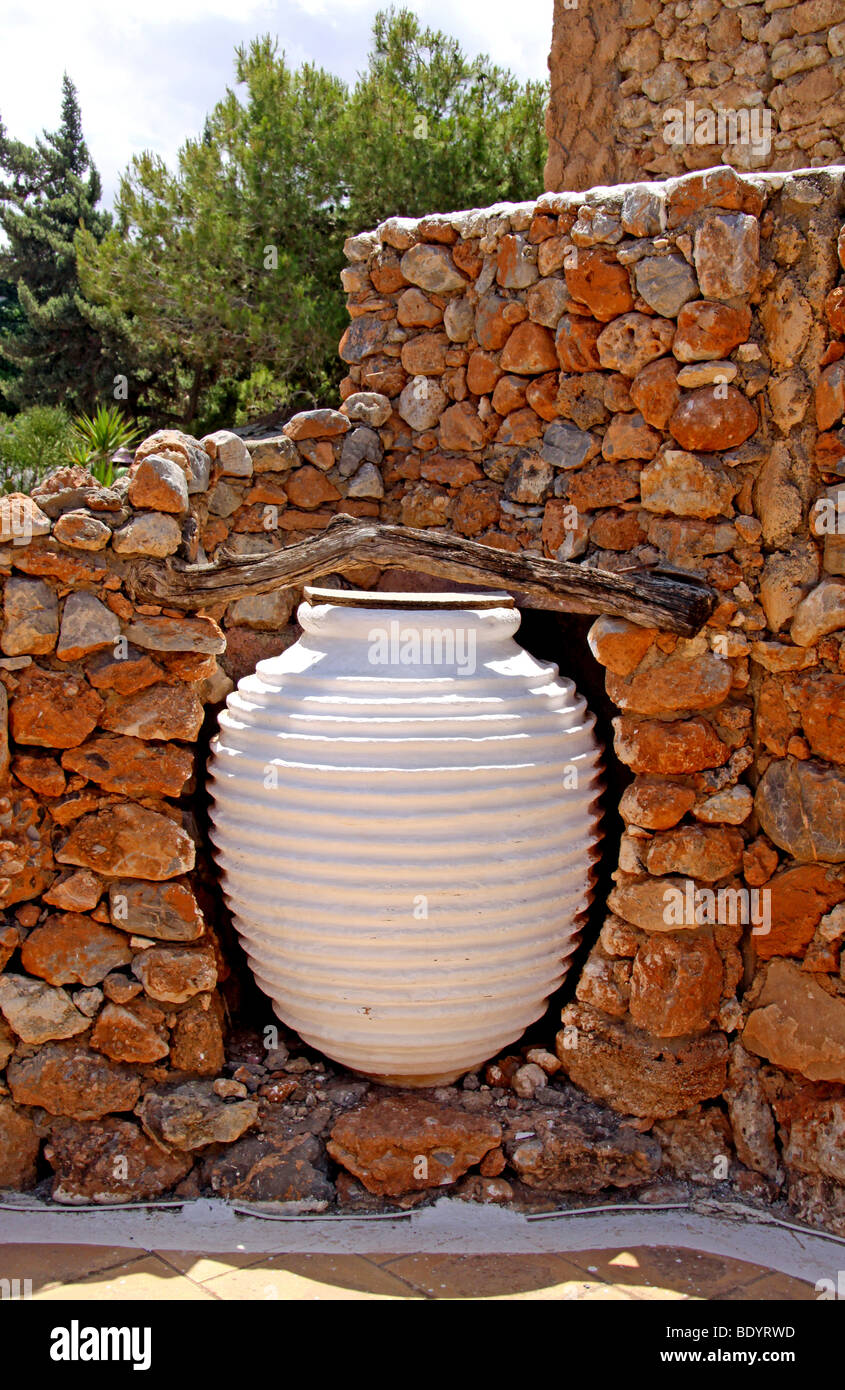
58,348
11,324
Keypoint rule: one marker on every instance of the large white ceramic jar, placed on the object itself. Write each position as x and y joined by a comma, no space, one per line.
405,814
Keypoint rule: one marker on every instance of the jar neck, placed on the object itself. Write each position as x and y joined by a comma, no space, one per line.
434,627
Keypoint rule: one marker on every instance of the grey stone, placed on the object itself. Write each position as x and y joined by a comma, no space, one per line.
191,1116
198,473
821,612
30,617
81,531
164,634
459,319
727,255
264,612
422,402
260,1168
432,268
642,213
529,480
87,626
369,407
54,499
665,283
230,453
276,455
367,483
360,445
787,576
547,300
149,533
567,446
37,1012
523,272
585,1150
223,500
801,807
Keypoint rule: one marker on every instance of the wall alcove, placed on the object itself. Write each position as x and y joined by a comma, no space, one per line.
569,410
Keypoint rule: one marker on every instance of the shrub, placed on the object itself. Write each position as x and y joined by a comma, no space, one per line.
33,443
97,437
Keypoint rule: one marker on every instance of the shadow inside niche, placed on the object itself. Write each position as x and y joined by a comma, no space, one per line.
549,636
562,638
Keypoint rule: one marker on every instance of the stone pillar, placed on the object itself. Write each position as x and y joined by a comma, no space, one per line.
645,89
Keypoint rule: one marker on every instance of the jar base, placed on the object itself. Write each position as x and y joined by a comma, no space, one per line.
445,1078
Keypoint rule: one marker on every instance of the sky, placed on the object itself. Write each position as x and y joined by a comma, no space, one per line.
147,71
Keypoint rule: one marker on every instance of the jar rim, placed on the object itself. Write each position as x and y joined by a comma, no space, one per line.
370,598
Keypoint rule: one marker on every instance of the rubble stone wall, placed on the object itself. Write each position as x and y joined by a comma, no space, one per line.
650,88
651,374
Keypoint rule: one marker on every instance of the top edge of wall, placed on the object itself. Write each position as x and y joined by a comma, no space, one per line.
470,222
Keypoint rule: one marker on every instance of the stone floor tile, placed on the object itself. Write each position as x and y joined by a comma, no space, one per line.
488,1276
47,1265
307,1277
775,1286
691,1273
144,1277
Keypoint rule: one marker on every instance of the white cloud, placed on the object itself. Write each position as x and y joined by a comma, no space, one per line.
147,71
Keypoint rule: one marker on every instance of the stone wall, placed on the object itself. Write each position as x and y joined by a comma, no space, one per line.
636,376
650,88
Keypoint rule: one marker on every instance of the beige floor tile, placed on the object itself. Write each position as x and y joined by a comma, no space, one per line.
309,1277
48,1265
488,1276
200,1266
147,1278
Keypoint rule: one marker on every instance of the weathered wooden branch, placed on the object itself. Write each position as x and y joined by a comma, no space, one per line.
674,602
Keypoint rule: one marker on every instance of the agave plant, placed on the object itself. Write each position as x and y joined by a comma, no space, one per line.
97,438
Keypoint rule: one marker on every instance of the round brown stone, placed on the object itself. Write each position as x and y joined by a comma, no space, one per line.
655,391
713,418
483,371
529,349
594,277
708,330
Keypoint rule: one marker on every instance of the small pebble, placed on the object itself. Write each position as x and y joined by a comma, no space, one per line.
229,1090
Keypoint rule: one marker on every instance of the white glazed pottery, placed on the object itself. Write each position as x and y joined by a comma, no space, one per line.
406,820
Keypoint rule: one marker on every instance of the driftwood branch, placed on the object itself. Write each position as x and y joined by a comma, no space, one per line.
675,602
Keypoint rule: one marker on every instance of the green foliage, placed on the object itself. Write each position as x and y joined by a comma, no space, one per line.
233,260
11,324
434,131
36,441
53,351
96,438
224,274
